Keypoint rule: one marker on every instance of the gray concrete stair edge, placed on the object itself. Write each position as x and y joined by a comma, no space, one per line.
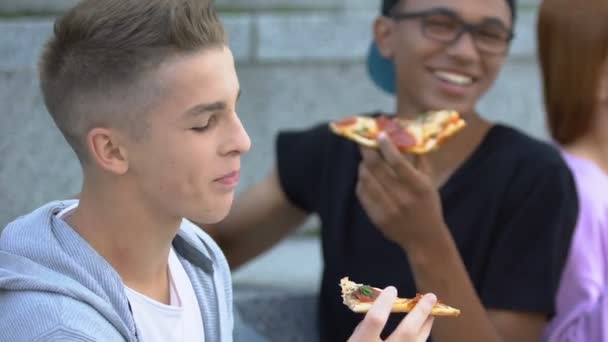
263,38
56,6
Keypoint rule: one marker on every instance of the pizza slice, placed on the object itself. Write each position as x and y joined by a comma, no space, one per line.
421,135
359,298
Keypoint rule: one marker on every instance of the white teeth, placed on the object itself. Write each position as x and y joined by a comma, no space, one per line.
457,79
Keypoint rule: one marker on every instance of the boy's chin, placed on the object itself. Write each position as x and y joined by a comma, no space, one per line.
211,218
462,107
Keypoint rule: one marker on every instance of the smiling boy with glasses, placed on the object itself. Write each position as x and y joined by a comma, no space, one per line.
484,222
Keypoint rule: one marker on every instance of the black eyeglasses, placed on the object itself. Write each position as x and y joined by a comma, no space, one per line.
445,26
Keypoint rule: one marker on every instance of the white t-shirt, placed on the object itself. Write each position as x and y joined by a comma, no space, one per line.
180,321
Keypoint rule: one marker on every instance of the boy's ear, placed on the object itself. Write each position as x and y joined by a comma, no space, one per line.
107,150
383,35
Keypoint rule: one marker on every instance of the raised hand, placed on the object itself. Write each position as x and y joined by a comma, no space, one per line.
399,196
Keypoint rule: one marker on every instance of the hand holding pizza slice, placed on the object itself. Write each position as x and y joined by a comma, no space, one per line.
419,136
359,298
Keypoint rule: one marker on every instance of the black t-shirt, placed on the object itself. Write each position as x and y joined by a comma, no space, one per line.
511,208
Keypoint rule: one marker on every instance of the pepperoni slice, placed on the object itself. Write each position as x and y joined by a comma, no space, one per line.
382,122
399,136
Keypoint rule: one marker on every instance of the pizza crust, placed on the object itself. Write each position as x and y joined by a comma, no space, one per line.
401,305
362,140
407,307
433,129
349,131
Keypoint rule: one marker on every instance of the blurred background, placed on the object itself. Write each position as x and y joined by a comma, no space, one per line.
299,62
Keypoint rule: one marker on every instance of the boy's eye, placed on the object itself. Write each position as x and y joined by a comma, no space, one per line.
203,128
442,25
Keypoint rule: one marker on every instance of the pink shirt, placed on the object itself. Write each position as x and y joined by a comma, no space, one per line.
582,298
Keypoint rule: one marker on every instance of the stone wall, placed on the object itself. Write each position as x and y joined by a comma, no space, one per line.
54,6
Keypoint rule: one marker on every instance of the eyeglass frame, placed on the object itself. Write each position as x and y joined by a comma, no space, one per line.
464,27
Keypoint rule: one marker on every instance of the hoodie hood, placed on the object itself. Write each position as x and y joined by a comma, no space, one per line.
40,252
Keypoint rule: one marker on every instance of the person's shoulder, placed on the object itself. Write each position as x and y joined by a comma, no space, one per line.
585,170
313,130
520,148
40,316
592,185
40,215
528,164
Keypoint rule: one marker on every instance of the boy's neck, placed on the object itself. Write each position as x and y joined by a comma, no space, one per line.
133,239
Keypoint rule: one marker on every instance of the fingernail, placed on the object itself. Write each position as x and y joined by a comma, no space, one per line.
391,289
382,136
430,297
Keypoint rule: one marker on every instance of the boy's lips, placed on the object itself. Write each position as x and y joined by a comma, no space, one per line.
230,179
454,78
454,83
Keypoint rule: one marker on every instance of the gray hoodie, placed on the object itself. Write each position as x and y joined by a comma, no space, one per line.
55,286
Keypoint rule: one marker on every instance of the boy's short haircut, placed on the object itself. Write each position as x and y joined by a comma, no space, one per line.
95,70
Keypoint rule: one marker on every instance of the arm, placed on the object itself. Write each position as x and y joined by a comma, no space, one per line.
439,267
259,218
393,191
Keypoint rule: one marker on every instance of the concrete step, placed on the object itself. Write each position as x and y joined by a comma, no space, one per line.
276,293
277,314
293,265
56,6
261,38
